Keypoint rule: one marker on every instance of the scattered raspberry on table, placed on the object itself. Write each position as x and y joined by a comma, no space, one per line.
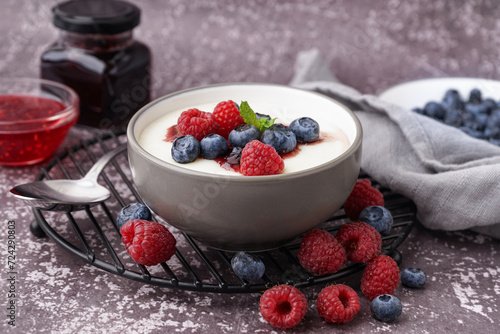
361,241
283,306
148,243
362,195
381,276
338,303
321,253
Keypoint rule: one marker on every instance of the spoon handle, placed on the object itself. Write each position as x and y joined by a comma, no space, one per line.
99,165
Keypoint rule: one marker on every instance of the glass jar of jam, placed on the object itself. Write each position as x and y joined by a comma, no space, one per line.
97,56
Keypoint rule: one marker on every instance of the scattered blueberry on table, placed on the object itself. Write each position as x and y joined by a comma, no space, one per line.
132,211
413,278
378,217
247,266
386,308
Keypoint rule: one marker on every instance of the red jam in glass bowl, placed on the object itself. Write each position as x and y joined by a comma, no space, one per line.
35,116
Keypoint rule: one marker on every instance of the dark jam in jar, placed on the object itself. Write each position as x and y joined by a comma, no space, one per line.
97,56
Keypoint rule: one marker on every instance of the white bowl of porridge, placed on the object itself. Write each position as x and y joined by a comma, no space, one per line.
226,210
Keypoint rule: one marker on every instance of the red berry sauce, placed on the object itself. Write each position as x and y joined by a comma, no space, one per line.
172,133
27,134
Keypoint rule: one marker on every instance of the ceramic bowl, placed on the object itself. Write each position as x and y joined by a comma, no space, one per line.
236,212
35,116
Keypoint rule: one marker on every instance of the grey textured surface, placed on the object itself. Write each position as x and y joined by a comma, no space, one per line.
368,45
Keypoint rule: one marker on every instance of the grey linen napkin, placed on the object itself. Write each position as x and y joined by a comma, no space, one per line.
453,179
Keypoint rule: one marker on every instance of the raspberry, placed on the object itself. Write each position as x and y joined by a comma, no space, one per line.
258,158
196,123
228,117
283,306
338,303
361,241
381,276
362,195
321,253
148,243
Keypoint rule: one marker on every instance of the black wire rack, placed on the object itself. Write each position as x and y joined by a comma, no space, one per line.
93,236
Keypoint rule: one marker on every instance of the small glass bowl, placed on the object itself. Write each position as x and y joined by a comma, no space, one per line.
35,117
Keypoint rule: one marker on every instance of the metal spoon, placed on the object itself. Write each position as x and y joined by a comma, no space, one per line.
67,194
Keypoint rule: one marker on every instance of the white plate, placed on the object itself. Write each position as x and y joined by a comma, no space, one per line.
417,93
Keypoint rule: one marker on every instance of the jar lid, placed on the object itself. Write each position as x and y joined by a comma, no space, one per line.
96,16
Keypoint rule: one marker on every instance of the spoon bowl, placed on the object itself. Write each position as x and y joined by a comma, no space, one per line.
67,194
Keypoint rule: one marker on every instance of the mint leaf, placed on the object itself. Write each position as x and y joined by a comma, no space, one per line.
250,117
248,114
266,123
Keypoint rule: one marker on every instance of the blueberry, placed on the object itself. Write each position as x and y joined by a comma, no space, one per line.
259,116
452,100
185,149
475,96
492,129
491,133
494,141
470,129
234,157
306,129
213,146
413,278
418,111
247,266
489,104
466,117
453,117
386,308
243,134
495,113
481,120
434,110
477,109
131,212
378,217
280,137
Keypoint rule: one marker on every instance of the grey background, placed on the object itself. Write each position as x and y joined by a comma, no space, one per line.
370,45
